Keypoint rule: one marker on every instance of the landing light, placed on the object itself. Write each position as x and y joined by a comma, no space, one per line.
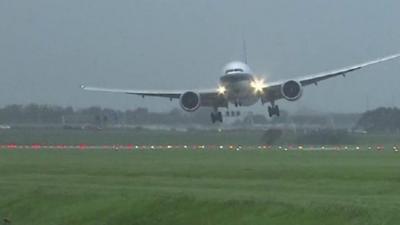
258,85
221,90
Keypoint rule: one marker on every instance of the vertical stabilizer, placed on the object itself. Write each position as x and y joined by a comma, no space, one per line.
244,51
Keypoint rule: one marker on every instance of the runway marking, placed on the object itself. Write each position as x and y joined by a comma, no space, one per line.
199,147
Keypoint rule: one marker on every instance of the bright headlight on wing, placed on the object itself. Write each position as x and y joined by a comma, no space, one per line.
258,85
221,90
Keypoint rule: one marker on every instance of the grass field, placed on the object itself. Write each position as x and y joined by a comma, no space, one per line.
199,187
126,136
149,137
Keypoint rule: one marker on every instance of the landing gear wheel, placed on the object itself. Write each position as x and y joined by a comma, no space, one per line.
277,112
219,117
212,118
273,110
270,111
216,117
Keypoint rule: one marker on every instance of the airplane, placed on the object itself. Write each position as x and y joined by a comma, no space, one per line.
240,87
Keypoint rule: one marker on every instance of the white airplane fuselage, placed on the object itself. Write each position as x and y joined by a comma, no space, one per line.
237,82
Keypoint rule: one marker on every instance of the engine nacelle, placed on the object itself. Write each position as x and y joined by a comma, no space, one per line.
291,90
190,101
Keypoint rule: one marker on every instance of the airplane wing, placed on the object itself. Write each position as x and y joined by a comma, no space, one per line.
208,97
314,79
272,90
165,94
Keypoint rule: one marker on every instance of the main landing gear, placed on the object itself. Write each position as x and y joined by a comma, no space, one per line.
216,116
273,110
232,113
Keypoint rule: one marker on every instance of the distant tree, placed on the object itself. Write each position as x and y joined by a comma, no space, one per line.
271,136
200,116
94,110
11,114
382,119
283,118
325,136
32,113
259,119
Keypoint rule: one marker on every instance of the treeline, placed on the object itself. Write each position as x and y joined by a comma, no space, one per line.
50,114
380,120
34,113
320,136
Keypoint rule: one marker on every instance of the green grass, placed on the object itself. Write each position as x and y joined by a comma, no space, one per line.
199,187
126,136
148,137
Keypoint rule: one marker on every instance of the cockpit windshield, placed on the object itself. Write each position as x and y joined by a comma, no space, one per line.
234,71
235,78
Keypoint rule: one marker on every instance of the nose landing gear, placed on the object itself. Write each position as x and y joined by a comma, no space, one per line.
216,117
237,103
273,110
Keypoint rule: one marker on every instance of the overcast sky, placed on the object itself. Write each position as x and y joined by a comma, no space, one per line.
49,47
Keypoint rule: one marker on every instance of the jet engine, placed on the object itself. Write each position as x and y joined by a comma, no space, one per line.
190,101
291,90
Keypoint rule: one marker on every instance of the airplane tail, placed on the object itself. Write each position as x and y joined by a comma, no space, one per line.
244,51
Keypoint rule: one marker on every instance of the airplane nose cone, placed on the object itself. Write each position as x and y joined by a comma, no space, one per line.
236,66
